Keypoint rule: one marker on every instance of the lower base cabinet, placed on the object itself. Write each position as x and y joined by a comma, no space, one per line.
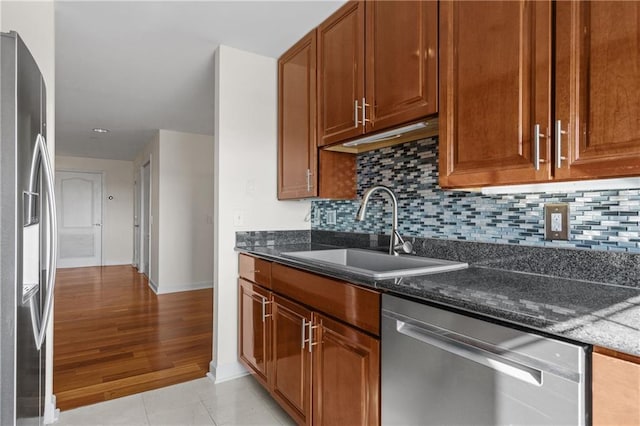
254,337
346,377
290,383
615,389
320,370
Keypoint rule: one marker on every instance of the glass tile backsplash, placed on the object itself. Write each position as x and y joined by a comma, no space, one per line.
600,219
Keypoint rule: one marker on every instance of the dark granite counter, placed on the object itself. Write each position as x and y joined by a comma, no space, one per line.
589,312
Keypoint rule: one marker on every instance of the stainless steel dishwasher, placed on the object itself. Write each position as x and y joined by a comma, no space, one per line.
443,368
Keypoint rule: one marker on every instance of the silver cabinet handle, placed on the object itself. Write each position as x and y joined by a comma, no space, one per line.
364,113
310,340
536,146
559,133
309,185
451,344
41,157
304,329
264,308
355,114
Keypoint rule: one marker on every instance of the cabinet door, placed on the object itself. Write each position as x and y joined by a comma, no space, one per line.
341,73
291,371
254,340
402,62
495,71
616,390
598,88
346,375
297,132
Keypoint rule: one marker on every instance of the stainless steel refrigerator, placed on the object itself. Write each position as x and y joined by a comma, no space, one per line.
27,235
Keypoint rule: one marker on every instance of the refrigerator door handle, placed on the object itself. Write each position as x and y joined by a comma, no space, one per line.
38,321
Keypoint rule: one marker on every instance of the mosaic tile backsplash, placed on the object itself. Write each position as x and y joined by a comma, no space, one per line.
599,219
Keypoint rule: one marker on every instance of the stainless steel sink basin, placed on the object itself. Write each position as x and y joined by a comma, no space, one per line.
375,264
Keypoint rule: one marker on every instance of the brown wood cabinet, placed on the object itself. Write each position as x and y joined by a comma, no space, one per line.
496,93
495,71
254,339
302,173
313,342
395,84
291,372
297,164
346,366
615,388
597,89
401,72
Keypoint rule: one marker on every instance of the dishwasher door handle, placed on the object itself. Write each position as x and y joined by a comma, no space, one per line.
476,354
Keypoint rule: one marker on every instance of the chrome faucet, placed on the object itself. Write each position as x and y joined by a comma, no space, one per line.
395,242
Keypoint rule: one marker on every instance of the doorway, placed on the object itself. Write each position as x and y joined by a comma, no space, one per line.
144,263
79,210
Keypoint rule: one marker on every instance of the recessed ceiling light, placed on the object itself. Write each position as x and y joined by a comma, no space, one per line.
100,130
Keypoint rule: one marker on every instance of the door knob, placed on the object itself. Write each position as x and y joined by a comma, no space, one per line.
97,224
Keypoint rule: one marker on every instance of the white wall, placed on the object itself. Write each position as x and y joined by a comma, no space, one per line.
35,23
117,225
181,210
245,184
186,212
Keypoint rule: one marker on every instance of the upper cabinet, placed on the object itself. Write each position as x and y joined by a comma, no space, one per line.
298,160
341,74
297,120
495,73
401,71
496,91
597,89
377,67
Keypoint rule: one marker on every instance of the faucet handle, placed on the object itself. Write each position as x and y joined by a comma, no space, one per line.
405,246
400,244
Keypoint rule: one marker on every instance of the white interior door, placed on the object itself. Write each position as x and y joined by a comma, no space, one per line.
79,204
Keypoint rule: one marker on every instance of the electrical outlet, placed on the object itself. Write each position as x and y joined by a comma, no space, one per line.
331,217
556,221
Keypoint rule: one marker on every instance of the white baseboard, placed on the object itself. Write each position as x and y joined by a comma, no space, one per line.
175,288
51,413
121,262
226,372
153,286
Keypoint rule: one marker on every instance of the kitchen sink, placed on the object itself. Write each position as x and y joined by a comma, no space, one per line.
375,265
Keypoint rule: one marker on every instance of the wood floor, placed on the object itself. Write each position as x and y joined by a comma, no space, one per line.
114,337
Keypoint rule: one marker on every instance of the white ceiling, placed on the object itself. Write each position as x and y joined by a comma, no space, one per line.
134,67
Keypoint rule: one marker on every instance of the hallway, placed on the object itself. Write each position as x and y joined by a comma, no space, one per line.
114,337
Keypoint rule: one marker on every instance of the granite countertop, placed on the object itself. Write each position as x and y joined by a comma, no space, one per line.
588,312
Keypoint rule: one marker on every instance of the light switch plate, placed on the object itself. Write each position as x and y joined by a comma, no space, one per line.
556,221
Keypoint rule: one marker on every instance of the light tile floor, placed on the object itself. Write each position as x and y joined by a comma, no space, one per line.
199,402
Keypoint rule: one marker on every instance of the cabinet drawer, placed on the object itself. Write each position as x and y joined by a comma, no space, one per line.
354,305
256,270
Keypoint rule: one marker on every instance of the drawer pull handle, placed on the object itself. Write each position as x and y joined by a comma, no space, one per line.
304,330
265,302
310,340
255,271
559,132
537,135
